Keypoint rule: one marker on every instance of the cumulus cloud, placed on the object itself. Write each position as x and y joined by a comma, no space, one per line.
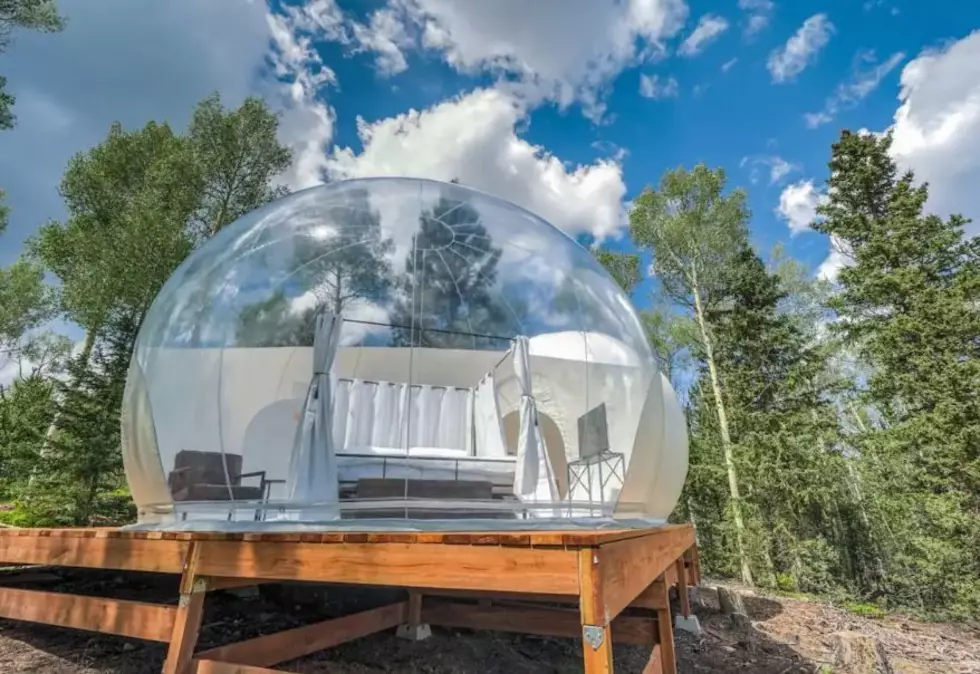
937,126
651,86
798,205
709,28
307,121
515,40
758,13
473,138
936,132
801,49
866,76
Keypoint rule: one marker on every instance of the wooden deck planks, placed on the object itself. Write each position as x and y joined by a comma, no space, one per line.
516,538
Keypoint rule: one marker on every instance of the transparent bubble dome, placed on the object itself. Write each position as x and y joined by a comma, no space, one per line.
473,364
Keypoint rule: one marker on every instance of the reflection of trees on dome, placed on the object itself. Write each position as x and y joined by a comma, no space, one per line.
447,297
341,264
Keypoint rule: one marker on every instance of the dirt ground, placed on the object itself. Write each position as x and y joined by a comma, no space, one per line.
786,636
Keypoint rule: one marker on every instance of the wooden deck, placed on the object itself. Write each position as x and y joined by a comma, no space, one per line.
618,579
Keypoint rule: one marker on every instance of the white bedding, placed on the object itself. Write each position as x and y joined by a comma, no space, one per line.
423,463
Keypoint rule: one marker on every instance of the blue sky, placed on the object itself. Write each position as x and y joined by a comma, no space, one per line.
568,107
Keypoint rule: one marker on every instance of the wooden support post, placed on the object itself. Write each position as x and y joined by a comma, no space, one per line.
655,665
187,622
682,594
596,634
414,629
665,634
695,564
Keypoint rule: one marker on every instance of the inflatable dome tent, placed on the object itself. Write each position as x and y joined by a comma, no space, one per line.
397,353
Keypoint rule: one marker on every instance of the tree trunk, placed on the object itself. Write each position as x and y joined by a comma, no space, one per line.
853,484
726,438
732,606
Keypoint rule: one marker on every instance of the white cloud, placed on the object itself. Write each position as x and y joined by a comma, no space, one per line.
936,131
472,137
307,122
652,87
865,78
779,168
801,49
937,126
728,65
709,28
798,205
834,262
758,12
540,49
386,36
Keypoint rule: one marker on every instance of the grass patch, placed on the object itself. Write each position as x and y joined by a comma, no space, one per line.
865,610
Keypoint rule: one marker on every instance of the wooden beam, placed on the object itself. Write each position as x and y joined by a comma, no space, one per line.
409,565
494,595
692,553
668,658
216,583
653,597
544,621
215,667
187,623
272,649
596,632
134,619
628,567
655,665
163,556
683,597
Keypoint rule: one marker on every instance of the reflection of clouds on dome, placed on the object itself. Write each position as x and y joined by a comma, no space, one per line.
404,261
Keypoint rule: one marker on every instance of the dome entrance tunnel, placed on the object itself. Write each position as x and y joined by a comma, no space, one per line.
396,352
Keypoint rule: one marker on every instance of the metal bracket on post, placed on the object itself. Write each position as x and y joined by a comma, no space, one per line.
593,636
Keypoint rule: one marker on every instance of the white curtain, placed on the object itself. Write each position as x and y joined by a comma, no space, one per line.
486,421
313,465
370,414
534,480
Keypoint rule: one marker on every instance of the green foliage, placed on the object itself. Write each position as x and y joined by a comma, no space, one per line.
129,201
26,410
137,204
908,309
82,462
341,271
236,154
865,610
623,267
447,298
40,15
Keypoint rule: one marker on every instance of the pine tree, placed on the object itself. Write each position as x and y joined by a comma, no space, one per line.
81,481
908,306
447,296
